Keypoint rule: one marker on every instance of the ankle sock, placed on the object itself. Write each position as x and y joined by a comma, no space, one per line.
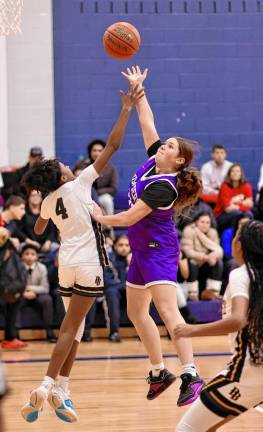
156,369
189,368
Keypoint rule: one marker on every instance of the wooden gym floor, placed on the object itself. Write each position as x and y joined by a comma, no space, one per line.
108,388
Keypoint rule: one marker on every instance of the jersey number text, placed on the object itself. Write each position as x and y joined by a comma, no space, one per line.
61,209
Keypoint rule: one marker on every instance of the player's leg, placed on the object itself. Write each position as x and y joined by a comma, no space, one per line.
200,419
165,300
87,286
59,395
138,304
78,308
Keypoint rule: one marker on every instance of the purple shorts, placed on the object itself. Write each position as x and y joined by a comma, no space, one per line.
152,268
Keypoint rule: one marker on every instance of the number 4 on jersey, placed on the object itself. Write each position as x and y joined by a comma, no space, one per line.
61,209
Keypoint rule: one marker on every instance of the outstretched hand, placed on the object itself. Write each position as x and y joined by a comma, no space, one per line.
135,76
131,98
96,212
183,330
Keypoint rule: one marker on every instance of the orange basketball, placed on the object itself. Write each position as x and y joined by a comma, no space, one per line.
121,40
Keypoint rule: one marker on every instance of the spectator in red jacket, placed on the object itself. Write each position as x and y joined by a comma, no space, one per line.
235,198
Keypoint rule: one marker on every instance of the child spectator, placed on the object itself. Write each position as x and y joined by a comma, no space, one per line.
120,257
37,289
200,243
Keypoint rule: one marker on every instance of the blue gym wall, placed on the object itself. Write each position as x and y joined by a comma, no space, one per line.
205,62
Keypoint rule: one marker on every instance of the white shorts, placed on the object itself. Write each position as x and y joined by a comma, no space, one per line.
223,397
238,395
82,280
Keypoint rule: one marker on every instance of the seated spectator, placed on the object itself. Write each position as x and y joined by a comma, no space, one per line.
106,184
188,214
45,242
213,173
12,284
12,179
37,289
14,211
235,198
120,257
182,276
115,283
200,244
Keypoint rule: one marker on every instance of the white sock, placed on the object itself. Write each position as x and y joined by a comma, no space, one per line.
189,368
156,369
46,384
63,382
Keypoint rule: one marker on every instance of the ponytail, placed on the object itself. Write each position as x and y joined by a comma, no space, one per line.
189,186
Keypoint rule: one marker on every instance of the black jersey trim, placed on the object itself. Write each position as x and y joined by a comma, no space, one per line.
236,366
219,405
103,257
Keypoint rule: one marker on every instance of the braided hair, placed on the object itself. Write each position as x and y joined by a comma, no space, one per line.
251,238
44,176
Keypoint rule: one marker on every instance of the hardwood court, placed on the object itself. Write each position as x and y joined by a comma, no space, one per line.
108,388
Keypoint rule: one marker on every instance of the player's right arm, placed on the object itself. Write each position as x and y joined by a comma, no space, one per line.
116,136
143,108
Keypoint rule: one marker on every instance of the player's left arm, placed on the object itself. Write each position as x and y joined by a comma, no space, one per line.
235,322
126,218
116,136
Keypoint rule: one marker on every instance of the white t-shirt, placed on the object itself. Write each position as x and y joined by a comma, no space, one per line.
238,285
212,173
69,208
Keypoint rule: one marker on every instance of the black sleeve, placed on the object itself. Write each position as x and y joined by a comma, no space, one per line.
152,150
158,194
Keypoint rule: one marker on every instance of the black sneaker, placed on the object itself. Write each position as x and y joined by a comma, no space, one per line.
160,383
115,337
51,337
86,338
190,389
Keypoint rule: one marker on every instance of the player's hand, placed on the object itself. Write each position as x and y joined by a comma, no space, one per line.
96,212
4,235
135,76
132,97
183,330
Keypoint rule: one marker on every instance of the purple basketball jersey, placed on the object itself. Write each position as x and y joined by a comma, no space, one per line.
157,230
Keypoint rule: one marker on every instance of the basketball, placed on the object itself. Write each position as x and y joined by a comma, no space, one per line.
121,40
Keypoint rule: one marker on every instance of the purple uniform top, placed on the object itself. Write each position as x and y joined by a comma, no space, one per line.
157,230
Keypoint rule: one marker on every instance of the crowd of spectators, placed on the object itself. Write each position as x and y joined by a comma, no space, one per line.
206,231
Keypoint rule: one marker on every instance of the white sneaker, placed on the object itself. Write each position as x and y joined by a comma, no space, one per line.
32,409
62,404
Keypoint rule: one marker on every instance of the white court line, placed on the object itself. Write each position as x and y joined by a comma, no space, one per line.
259,409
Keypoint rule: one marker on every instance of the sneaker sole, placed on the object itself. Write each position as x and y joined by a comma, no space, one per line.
162,388
63,412
30,412
193,398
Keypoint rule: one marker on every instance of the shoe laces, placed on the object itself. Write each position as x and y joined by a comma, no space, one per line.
60,392
186,379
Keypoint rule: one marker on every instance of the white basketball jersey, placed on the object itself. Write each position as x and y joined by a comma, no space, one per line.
69,208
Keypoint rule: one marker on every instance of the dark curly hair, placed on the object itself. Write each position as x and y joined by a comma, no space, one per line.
43,176
189,183
251,238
